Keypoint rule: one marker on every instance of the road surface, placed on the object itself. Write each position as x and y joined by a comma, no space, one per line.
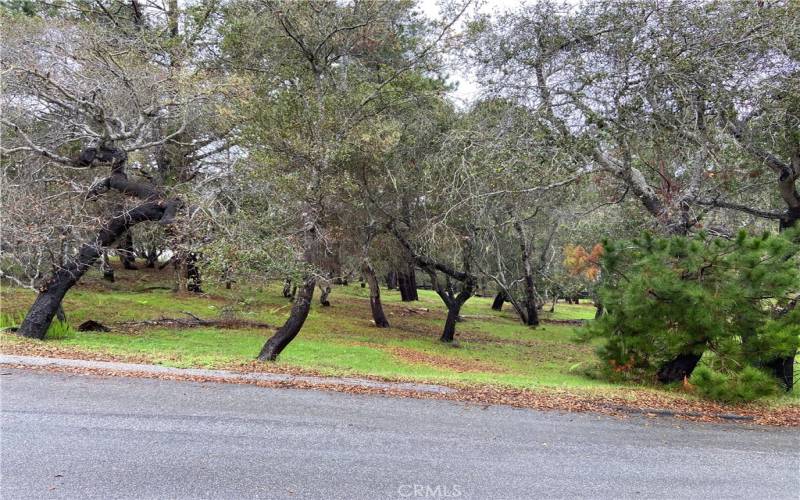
77,436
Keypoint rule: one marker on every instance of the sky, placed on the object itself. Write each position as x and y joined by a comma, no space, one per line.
468,88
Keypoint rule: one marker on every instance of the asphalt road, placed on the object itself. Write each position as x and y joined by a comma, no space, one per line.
72,436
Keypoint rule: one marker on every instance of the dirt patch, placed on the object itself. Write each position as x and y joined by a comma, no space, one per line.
438,361
537,350
573,322
410,311
479,317
182,323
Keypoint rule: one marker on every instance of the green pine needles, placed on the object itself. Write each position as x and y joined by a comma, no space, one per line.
732,302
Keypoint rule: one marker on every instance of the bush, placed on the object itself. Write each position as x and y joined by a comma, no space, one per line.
746,385
666,297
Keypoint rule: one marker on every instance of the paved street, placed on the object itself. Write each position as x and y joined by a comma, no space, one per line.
72,436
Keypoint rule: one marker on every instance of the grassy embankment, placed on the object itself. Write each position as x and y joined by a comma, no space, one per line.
494,348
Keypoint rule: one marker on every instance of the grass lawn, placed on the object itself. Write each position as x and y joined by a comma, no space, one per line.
493,347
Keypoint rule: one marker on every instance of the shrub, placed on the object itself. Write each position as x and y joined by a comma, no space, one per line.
666,297
746,385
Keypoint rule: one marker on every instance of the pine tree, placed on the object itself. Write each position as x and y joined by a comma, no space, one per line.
729,302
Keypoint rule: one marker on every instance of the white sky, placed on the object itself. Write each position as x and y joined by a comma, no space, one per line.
468,87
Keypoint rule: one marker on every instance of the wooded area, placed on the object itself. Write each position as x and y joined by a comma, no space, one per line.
642,156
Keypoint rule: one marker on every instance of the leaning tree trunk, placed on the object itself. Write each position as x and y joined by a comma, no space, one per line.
679,368
449,332
154,207
499,300
302,304
374,295
48,302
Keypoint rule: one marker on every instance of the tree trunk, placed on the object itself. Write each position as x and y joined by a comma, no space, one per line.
105,265
287,288
453,304
407,283
465,277
193,278
412,282
449,333
598,313
783,366
181,274
302,304
325,291
151,260
374,295
151,257
60,314
499,299
391,280
127,255
153,208
676,370
402,285
48,302
531,312
783,369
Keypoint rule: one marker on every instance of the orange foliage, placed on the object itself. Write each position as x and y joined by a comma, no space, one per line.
580,262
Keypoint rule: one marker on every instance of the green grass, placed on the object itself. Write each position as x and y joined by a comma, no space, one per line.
58,330
493,347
